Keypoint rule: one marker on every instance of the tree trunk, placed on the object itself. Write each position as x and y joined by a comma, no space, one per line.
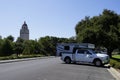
109,52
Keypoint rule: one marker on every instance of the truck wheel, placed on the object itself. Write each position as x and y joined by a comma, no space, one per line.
98,63
67,60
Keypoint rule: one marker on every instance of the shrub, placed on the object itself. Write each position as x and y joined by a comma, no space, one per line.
112,62
115,63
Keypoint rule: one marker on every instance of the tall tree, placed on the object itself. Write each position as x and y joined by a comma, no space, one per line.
102,30
11,38
18,46
36,46
6,48
1,42
46,45
28,48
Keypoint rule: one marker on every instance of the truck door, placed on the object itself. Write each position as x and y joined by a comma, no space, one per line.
79,56
88,57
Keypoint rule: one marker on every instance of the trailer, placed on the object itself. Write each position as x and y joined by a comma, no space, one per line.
68,47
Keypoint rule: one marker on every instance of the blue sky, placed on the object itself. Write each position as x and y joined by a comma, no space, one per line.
49,17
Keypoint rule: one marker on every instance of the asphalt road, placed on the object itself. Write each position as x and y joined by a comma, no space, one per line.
51,69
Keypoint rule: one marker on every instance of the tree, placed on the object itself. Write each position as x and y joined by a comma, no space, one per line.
1,42
31,47
19,40
48,44
102,30
18,46
36,46
28,48
11,38
6,48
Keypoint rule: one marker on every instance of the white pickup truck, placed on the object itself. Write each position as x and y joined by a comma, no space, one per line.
85,56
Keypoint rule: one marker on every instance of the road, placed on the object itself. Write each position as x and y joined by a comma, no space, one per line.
51,69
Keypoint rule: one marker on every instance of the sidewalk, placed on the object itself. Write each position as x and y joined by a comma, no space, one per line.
115,73
24,59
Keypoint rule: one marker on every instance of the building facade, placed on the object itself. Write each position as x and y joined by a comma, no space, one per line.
0,37
24,32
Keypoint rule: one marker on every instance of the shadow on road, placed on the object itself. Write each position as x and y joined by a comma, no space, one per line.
104,66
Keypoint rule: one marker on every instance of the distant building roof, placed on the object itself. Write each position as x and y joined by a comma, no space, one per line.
24,25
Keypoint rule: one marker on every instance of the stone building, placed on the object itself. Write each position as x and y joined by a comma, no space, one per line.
0,37
24,32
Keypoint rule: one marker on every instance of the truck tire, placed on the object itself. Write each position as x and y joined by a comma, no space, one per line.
67,60
98,63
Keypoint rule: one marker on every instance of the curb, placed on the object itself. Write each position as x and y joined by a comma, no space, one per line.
114,73
24,59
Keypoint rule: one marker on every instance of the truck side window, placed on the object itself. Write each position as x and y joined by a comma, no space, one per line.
66,47
81,51
88,53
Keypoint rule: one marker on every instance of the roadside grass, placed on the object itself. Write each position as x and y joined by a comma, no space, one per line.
115,61
14,56
117,56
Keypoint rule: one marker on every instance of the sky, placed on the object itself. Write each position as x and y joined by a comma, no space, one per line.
56,18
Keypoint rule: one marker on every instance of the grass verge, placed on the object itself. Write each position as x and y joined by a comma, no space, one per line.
20,56
115,61
116,56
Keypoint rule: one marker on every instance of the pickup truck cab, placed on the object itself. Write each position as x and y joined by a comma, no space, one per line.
85,56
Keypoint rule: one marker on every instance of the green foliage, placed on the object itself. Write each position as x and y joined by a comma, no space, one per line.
31,47
44,46
6,48
116,56
27,47
114,63
11,38
36,48
14,56
48,45
1,42
102,30
19,40
18,46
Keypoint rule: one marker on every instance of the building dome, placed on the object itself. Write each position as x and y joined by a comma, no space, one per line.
24,26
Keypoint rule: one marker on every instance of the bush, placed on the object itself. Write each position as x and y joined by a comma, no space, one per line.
112,62
14,56
115,63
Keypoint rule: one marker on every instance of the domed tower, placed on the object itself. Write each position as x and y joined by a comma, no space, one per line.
24,32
